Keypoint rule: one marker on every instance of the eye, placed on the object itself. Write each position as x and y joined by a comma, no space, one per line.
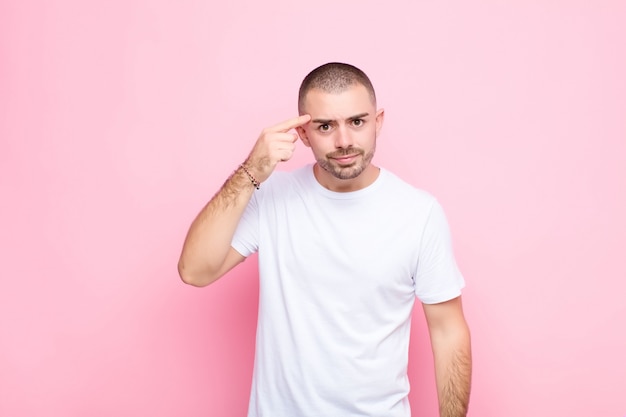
358,122
324,128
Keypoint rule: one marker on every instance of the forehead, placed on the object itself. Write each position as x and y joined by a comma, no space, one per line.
353,100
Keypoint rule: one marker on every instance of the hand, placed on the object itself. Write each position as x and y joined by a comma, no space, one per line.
273,146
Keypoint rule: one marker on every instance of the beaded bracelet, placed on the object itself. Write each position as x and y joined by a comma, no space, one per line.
256,184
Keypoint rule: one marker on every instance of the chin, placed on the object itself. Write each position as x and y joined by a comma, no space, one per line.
348,172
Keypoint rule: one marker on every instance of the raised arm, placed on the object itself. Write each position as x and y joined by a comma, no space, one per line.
207,253
450,340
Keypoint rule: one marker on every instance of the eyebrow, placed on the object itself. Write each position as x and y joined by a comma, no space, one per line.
327,121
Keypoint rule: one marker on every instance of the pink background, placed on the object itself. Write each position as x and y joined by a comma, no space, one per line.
120,119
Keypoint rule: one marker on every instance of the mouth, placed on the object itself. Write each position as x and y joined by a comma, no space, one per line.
345,159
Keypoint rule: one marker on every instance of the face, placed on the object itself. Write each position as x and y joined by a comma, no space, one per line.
342,135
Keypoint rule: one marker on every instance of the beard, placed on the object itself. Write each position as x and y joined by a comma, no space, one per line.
347,171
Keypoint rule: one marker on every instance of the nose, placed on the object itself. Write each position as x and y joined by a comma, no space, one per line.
343,138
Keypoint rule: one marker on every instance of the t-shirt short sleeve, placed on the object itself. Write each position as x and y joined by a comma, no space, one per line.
246,238
437,278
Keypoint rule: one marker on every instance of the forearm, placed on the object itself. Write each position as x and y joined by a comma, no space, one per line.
210,235
453,369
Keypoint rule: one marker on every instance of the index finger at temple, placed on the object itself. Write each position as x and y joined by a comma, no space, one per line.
291,123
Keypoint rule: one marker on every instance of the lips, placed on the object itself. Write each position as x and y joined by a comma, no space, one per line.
345,159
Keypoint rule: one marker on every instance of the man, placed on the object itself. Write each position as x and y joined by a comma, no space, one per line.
344,249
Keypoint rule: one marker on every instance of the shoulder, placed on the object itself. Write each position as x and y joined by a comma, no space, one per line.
283,183
284,178
402,192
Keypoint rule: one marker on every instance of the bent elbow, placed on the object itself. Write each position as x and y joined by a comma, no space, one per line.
193,279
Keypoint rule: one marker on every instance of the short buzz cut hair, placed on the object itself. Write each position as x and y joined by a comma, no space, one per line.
334,77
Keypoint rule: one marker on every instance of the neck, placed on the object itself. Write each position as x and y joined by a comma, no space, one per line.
332,183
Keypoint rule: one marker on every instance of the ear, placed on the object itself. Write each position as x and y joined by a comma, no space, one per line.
303,136
380,118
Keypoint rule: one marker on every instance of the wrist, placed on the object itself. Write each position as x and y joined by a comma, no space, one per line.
250,176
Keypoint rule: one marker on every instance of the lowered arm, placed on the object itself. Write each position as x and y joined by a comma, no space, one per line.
450,341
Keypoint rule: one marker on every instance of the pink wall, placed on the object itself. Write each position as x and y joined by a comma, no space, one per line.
120,119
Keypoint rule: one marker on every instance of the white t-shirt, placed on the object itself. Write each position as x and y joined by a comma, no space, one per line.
339,273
